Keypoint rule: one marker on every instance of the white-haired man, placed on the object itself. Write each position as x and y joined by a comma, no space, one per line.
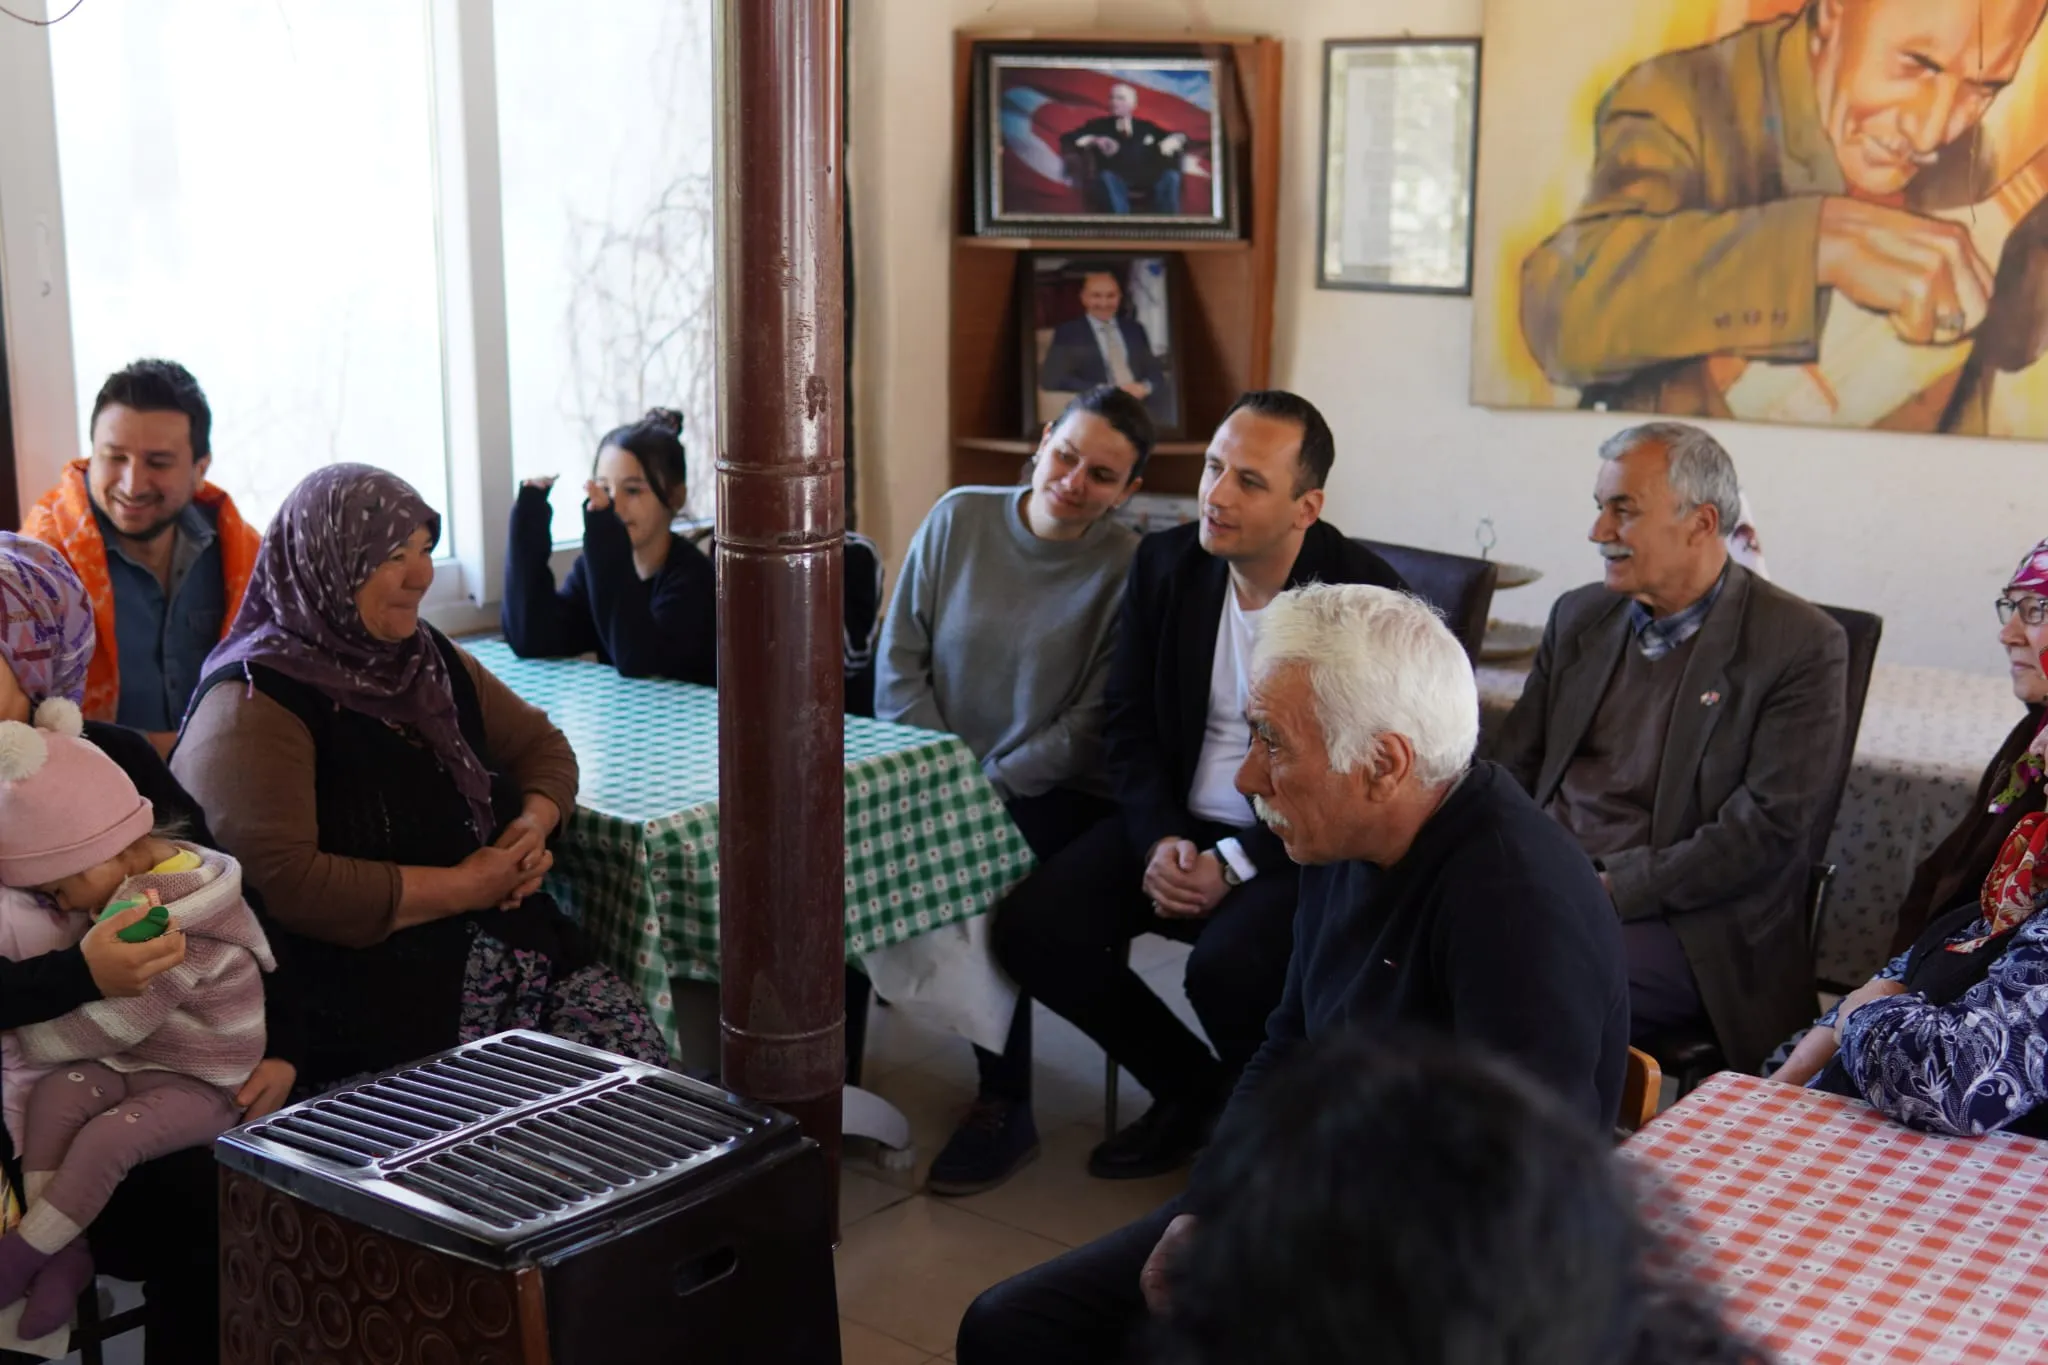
1684,719
1436,896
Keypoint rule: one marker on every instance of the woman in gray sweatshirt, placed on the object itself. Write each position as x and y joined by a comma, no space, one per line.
1000,632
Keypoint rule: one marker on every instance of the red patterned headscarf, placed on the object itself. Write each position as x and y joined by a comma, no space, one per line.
2030,577
2017,882
2032,574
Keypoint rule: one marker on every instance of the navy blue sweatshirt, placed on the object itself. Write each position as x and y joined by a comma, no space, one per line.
662,627
1493,929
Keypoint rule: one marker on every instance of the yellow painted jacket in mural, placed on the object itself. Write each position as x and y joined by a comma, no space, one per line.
1700,231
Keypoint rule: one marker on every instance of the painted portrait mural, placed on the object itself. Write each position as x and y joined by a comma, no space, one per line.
1833,212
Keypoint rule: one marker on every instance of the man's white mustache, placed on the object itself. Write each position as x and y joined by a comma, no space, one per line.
1273,818
1616,552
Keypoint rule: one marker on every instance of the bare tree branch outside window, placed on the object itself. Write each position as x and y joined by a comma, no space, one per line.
639,331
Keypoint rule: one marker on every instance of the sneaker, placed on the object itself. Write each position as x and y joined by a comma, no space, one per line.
997,1139
1164,1140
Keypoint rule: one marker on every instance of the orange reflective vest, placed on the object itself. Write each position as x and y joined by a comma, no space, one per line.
64,518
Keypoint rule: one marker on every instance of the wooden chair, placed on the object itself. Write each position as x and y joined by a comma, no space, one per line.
1641,1089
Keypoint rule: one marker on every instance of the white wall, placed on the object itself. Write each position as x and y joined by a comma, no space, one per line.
1921,529
900,178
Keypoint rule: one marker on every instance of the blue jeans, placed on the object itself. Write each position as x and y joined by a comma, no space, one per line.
1165,194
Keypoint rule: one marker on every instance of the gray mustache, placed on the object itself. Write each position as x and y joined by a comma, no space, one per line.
1273,818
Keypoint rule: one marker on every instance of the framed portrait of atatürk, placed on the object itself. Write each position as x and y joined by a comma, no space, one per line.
1127,143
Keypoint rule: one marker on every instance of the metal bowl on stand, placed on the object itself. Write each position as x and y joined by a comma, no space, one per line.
1506,640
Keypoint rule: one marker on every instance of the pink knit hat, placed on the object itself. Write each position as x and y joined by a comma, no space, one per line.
64,805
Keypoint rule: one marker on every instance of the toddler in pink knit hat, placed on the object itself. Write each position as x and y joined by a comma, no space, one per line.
129,1080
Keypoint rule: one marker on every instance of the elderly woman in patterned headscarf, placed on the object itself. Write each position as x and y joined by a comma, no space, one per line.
390,798
46,646
1950,1035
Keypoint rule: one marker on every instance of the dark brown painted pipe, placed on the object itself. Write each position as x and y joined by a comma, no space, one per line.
781,529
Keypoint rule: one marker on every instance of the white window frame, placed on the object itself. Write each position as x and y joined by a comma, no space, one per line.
35,303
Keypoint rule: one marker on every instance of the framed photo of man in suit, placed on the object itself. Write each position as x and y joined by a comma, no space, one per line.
1127,144
1099,319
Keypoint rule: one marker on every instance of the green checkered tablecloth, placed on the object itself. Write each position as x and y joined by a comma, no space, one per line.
927,840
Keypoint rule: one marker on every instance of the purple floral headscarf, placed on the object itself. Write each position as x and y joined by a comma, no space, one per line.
45,620
300,618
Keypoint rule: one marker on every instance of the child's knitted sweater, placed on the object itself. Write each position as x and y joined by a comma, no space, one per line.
202,1018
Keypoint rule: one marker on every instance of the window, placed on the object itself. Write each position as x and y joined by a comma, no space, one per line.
249,189
304,200
605,137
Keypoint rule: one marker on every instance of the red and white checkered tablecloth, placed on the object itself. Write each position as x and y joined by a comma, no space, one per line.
1835,1235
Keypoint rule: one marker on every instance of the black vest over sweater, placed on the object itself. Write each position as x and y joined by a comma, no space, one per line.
381,795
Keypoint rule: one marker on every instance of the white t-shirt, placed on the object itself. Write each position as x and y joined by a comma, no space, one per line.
1214,795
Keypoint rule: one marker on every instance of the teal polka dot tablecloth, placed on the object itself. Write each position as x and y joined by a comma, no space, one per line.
928,842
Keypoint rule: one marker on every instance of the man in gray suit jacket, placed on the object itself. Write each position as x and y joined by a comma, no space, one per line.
1684,720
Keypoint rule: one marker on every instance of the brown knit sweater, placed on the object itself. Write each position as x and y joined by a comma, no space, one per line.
250,763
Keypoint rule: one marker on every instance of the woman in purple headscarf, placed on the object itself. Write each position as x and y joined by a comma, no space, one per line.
390,798
46,643
45,628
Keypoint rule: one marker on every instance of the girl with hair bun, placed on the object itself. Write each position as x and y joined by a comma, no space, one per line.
641,597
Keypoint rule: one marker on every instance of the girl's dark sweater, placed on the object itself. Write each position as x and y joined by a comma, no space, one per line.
662,627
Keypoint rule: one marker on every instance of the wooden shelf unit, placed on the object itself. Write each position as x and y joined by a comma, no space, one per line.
1223,290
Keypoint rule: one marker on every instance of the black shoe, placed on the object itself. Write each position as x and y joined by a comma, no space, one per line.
997,1139
1166,1139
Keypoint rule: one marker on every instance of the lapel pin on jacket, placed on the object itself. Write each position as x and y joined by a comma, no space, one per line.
1710,699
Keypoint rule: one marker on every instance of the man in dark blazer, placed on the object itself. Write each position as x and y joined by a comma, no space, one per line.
1123,154
1685,720
1104,347
1185,857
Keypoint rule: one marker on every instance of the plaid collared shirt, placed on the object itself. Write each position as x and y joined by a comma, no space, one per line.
1657,638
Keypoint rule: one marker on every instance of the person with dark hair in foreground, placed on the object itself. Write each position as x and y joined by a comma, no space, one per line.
1183,855
641,597
1434,894
1407,1203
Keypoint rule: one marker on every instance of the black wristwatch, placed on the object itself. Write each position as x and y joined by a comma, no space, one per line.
1230,877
